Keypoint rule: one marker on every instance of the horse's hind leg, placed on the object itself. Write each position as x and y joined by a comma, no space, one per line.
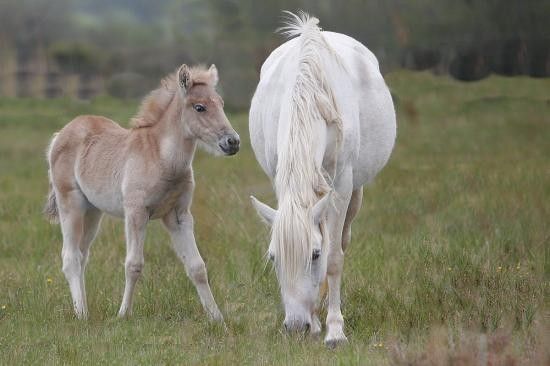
92,218
72,209
353,208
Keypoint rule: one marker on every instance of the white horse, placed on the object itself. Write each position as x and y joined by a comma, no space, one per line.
322,120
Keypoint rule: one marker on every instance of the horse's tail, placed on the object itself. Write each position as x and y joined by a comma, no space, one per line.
50,208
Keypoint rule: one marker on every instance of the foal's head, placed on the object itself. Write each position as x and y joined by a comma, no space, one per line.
202,113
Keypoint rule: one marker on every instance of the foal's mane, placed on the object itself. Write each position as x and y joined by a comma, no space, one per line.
155,104
300,181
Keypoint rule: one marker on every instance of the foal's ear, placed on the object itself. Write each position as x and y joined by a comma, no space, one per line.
213,74
320,208
266,213
184,77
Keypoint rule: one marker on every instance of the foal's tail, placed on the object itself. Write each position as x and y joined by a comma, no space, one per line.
50,208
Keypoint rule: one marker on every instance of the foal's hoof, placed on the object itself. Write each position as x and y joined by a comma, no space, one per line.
333,342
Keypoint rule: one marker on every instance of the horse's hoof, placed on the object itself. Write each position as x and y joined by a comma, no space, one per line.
334,342
216,317
81,316
315,331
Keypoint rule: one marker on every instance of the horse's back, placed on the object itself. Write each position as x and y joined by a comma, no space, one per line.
368,114
362,99
79,130
83,151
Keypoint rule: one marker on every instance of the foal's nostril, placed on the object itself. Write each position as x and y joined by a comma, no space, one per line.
229,144
233,141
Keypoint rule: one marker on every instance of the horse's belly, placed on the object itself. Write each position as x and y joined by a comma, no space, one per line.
106,197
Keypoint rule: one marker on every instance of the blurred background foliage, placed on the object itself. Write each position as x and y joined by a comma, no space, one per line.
123,47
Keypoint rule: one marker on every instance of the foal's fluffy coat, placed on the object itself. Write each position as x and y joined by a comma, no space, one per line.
143,173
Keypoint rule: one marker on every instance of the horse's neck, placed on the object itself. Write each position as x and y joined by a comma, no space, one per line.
176,148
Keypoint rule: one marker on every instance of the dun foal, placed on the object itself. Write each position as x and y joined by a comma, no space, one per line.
140,174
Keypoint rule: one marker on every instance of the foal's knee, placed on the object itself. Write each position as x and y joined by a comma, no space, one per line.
134,268
71,263
197,273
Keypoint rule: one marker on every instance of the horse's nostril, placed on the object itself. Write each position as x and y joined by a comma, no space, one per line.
232,141
307,327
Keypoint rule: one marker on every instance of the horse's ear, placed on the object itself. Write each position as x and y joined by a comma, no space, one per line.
184,77
213,74
320,208
266,213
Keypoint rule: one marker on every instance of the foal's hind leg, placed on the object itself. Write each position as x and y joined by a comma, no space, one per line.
92,218
72,209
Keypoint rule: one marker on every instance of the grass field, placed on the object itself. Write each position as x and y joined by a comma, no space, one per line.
452,244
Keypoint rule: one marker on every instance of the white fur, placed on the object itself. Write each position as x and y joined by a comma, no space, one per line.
321,120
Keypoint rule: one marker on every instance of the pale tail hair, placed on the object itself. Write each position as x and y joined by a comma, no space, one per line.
300,181
50,208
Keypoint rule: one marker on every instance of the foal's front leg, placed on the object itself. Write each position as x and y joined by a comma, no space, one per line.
135,219
180,226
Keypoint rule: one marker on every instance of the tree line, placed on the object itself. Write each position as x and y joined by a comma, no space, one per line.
132,43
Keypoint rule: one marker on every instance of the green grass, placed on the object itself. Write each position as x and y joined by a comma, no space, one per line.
454,235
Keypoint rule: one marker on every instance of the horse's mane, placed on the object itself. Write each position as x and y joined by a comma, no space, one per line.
300,181
154,105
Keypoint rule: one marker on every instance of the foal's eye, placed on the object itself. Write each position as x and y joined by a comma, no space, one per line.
316,254
271,257
199,107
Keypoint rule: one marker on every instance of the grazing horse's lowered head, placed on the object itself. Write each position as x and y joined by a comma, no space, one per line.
298,251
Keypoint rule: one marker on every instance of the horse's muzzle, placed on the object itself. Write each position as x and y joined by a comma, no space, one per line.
229,144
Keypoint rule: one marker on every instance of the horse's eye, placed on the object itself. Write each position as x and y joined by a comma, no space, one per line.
199,107
316,254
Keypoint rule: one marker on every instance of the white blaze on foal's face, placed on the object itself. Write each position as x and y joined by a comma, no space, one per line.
298,251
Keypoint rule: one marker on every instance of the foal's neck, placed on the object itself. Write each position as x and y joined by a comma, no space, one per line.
176,146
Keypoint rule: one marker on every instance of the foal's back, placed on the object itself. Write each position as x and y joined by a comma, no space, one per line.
85,156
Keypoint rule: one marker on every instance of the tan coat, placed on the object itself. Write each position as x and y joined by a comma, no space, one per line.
139,174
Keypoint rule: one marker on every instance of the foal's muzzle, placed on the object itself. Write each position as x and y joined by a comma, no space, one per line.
229,144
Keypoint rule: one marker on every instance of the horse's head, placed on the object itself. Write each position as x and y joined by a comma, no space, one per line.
203,113
298,250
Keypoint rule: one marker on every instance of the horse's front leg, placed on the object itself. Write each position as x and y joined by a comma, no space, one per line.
335,261
136,218
180,227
